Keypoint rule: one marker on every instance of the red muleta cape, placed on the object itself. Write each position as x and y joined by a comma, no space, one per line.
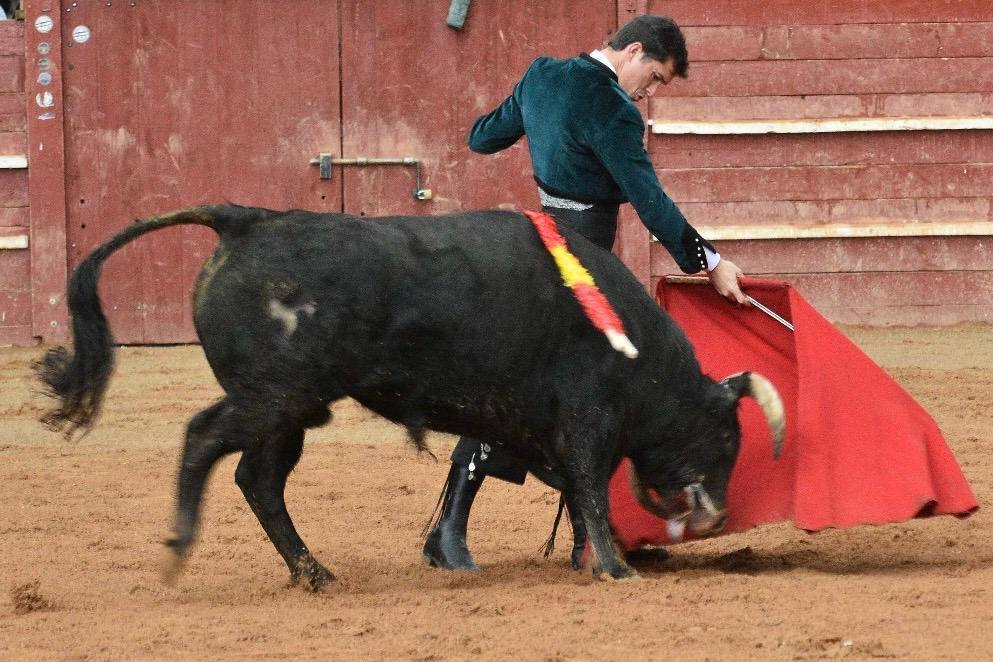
858,449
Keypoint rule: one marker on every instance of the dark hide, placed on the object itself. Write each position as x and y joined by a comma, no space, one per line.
457,323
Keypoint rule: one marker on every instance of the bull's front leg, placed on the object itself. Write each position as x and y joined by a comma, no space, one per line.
589,472
591,499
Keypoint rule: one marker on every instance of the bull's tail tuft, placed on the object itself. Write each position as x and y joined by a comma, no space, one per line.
78,380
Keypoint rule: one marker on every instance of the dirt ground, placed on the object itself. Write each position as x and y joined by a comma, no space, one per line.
82,524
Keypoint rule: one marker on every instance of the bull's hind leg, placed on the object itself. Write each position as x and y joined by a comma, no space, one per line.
261,475
206,442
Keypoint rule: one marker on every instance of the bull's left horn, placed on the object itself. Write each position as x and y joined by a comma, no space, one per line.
767,397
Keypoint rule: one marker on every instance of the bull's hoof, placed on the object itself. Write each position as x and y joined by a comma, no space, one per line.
311,575
577,557
620,571
448,551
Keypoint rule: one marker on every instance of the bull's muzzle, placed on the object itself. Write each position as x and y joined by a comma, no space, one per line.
690,508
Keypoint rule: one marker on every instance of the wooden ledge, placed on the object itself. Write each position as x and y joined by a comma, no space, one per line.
838,231
13,162
841,125
13,237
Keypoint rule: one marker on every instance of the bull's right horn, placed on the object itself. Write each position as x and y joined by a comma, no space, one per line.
767,398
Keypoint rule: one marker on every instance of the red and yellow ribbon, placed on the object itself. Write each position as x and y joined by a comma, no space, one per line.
578,279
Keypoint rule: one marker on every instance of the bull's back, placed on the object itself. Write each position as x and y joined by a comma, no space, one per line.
336,299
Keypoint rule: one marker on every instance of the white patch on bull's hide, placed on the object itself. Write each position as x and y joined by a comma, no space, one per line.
288,314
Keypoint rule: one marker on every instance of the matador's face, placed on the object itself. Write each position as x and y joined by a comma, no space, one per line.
640,75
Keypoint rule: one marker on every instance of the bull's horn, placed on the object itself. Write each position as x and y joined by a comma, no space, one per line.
767,397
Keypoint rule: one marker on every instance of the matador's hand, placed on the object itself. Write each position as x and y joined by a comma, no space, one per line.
724,278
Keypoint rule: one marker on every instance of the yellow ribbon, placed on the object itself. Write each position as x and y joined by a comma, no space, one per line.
573,273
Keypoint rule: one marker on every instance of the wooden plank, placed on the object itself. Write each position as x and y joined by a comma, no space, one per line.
15,270
16,336
821,149
796,77
632,243
11,38
13,122
829,182
164,298
835,42
13,143
11,73
663,107
830,256
46,178
900,298
939,315
826,12
13,162
832,125
102,162
12,102
15,308
730,42
14,187
184,122
13,240
13,216
632,246
879,41
762,212
906,228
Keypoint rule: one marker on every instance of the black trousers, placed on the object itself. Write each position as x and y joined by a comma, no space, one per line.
599,225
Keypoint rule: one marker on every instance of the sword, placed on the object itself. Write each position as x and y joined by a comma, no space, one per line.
769,312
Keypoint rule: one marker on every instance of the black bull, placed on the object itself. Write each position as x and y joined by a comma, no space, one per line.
456,323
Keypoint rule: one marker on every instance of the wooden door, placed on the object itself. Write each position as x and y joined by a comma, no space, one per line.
412,87
203,102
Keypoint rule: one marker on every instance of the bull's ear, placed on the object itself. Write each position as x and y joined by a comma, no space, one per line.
737,385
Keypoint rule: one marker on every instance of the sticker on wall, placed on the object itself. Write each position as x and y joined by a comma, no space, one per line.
44,24
44,78
80,34
44,99
47,116
44,48
44,64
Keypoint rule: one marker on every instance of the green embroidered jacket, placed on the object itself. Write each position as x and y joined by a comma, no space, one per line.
586,138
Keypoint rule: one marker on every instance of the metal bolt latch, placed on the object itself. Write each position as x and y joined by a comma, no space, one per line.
325,161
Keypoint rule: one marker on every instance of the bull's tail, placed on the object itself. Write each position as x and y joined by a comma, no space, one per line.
78,380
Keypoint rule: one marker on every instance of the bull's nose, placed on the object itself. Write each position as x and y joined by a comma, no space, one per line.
709,525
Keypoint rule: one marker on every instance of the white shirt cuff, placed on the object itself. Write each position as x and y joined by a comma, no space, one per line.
713,259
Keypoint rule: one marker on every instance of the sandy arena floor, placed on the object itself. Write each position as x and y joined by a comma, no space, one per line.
82,526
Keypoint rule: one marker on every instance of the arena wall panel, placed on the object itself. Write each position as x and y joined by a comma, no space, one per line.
782,60
15,260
